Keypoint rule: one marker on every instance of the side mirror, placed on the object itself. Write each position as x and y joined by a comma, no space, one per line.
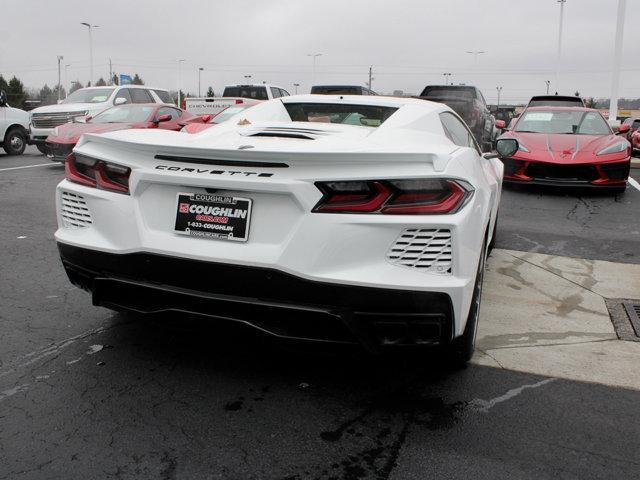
120,101
163,118
3,98
506,147
624,128
501,124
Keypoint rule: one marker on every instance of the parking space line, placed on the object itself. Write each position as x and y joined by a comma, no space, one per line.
26,166
634,183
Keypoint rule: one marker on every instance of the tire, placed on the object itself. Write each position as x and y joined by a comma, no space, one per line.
492,243
15,141
41,148
461,349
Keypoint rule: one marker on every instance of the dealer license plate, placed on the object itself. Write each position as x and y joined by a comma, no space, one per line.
213,216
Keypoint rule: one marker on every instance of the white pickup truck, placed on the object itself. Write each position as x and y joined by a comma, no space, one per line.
14,127
233,95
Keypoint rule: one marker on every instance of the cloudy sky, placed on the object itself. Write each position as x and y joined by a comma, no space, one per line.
410,43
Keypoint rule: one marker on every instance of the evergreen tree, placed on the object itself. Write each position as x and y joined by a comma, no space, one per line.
75,85
16,94
101,83
137,80
115,80
210,92
3,84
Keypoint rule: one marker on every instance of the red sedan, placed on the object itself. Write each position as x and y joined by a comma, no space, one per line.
568,146
120,117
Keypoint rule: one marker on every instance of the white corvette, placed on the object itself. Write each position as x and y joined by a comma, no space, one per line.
327,218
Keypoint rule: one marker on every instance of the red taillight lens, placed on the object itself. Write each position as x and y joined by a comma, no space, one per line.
398,197
97,173
239,101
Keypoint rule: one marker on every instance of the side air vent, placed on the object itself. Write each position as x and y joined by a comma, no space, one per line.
74,210
426,249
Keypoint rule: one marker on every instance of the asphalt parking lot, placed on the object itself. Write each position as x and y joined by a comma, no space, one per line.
88,393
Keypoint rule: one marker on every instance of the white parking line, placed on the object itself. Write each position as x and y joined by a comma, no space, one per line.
26,166
634,183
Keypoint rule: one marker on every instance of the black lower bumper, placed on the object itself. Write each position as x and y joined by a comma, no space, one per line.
277,303
553,182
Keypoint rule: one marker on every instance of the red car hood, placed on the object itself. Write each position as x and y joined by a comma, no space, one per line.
563,148
71,132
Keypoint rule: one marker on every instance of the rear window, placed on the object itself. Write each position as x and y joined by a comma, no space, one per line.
164,96
257,93
337,90
556,102
362,115
449,92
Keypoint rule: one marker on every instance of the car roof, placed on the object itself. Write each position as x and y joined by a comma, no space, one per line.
570,109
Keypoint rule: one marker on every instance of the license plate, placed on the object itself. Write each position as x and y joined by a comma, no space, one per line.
213,216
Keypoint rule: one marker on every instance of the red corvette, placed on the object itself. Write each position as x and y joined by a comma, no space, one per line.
222,117
635,140
568,146
120,117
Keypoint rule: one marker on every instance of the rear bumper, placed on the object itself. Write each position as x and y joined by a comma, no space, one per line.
275,302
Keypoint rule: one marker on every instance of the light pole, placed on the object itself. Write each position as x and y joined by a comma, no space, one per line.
180,82
60,57
66,80
561,2
247,77
548,82
200,69
90,27
447,77
617,59
314,56
475,54
499,89
296,85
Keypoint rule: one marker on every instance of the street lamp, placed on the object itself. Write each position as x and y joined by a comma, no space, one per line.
561,2
66,80
180,82
447,77
548,82
90,27
247,77
60,57
314,56
499,89
200,69
296,85
617,60
475,54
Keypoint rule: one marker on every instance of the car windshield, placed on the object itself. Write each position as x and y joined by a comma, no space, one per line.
563,121
229,112
89,95
258,93
449,92
363,115
124,114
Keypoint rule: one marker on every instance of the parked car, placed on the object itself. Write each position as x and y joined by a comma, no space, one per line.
88,101
14,125
148,115
568,146
556,101
293,221
255,92
468,102
635,141
227,114
634,124
341,90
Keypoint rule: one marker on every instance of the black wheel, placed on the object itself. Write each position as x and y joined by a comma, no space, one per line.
15,141
460,351
492,243
41,148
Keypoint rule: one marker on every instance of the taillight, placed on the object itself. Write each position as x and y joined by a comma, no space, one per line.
96,173
398,197
239,101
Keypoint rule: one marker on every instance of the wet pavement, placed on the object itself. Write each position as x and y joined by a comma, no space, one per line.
88,393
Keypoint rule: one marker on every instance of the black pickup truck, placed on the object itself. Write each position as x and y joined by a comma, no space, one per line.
468,102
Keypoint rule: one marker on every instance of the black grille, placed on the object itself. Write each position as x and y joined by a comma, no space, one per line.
512,166
578,173
616,171
58,151
633,311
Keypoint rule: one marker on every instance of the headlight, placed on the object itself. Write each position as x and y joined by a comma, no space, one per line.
615,148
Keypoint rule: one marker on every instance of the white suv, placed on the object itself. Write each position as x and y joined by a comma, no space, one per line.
89,101
14,125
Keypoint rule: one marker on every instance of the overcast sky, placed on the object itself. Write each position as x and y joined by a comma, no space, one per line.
410,43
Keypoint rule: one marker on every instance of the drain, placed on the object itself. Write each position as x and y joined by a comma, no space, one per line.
625,316
633,311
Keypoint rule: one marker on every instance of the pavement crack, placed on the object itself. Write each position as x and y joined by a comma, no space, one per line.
486,405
